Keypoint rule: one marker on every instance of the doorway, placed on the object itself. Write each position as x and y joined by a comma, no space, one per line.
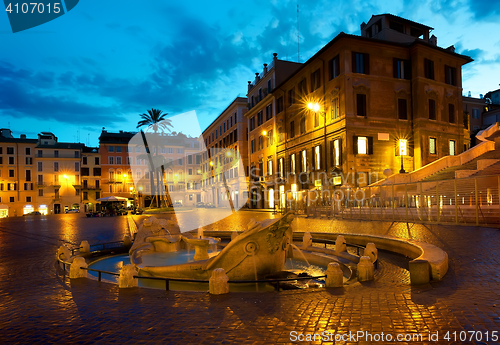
57,208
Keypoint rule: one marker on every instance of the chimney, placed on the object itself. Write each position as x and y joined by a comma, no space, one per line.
249,85
433,40
23,136
451,48
257,78
265,68
363,25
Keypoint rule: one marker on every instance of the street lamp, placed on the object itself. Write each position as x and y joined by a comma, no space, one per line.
402,152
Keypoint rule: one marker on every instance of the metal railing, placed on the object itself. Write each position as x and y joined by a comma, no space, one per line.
470,200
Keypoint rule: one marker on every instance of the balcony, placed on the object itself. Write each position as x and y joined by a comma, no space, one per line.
91,187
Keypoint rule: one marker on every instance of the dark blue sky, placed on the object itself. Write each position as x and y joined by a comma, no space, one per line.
105,62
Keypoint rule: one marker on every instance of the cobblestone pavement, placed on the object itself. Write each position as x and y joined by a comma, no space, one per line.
38,305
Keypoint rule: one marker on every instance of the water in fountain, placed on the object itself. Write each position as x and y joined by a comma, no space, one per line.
300,251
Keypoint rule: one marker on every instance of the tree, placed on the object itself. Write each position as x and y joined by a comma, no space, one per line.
155,120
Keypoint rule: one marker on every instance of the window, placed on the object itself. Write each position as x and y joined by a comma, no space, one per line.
28,175
11,160
85,195
269,166
260,94
302,87
363,145
179,151
27,151
56,153
432,109
450,75
28,186
97,195
111,148
281,168
334,67
475,113
77,166
269,85
291,97
429,69
118,149
252,123
111,160
11,172
315,80
224,127
97,172
360,63
292,164
1,150
361,104
269,111
128,160
40,179
259,118
40,153
119,160
337,152
11,199
432,146
77,192
40,192
279,105
317,157
316,119
452,148
261,142
269,137
1,160
451,113
304,160
10,150
28,199
84,160
302,125
292,129
235,118
77,154
402,109
56,166
402,69
231,122
335,108
252,143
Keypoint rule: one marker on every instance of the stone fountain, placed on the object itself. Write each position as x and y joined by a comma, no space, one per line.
260,250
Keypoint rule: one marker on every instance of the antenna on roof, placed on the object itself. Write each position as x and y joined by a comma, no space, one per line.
298,36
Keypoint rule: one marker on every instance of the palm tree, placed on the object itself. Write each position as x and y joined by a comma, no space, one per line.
155,119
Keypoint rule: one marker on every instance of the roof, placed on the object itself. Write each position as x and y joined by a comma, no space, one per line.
87,149
18,140
419,25
342,35
62,146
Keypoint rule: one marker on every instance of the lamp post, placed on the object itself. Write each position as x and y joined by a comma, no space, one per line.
402,152
139,196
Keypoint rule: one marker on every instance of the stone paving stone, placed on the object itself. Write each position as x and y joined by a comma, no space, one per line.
38,304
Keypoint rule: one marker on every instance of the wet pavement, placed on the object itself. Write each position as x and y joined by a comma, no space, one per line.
37,304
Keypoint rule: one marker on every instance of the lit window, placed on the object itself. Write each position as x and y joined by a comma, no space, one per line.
336,150
317,157
432,146
304,161
362,145
292,164
452,148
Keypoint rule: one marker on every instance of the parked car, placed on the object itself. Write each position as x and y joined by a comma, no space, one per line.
200,204
73,210
177,204
33,213
209,205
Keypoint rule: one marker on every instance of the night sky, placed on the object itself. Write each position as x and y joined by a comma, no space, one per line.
105,62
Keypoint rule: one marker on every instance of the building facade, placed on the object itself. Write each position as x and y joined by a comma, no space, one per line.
58,174
18,187
225,137
263,129
364,107
91,178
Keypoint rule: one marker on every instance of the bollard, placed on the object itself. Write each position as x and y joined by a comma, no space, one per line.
307,240
371,251
419,272
334,275
75,270
84,247
126,279
64,254
234,234
366,269
340,245
127,242
218,282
